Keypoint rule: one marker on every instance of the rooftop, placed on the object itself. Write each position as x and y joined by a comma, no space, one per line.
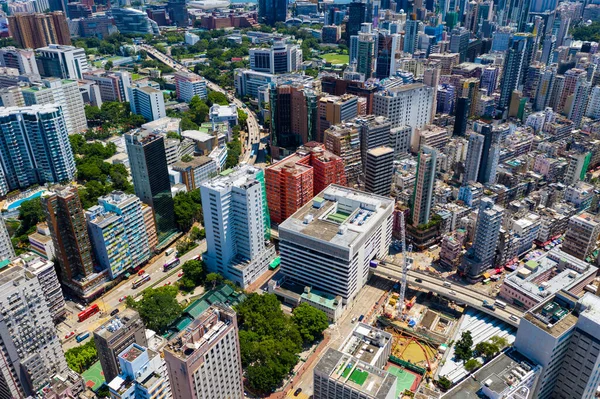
355,374
322,298
338,215
239,177
379,151
194,163
115,324
132,353
366,343
552,316
500,376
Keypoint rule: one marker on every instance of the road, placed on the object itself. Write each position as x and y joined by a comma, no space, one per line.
456,292
253,130
110,300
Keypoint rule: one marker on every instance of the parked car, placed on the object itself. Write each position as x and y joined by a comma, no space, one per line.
297,391
69,335
122,298
114,312
180,274
141,272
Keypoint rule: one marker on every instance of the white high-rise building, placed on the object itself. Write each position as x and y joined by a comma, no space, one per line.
280,58
64,93
6,249
22,60
561,335
236,224
329,242
405,105
204,360
32,353
147,101
64,62
188,85
34,147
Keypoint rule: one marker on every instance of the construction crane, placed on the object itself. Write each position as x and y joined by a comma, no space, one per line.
405,262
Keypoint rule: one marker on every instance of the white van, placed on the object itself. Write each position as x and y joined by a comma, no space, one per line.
447,284
169,251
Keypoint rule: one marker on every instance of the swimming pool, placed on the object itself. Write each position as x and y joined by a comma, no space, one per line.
18,203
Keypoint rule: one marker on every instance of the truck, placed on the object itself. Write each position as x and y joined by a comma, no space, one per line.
361,317
488,305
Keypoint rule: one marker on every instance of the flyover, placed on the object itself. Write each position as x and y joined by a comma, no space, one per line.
459,293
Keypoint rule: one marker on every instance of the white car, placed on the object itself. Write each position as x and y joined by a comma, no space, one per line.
452,292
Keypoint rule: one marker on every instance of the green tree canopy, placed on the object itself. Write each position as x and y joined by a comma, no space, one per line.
81,357
311,322
472,364
188,209
30,214
462,349
158,307
216,97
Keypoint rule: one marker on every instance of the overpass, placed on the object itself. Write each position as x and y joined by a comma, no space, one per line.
251,122
460,293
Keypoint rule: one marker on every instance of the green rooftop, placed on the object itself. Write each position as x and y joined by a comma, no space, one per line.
531,265
321,298
4,263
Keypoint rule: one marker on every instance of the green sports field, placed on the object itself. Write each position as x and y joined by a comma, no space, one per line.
404,379
94,377
336,58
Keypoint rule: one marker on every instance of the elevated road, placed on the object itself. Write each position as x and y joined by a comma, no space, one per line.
252,123
457,293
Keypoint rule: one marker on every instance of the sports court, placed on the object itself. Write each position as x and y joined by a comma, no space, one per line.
405,379
94,377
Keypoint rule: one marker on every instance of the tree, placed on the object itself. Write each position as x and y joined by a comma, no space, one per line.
462,349
242,117
216,97
188,209
187,158
444,383
82,357
472,364
311,322
108,65
212,280
194,270
501,342
173,135
158,307
197,234
487,349
198,111
30,214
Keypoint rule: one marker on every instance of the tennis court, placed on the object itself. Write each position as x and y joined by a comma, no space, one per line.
405,379
94,377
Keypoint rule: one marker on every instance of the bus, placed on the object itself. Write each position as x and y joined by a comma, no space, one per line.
87,313
171,264
500,304
139,281
82,336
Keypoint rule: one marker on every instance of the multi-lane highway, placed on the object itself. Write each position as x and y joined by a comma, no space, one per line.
253,128
456,292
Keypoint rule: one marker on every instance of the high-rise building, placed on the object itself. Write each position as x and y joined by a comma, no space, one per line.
32,353
272,11
561,335
385,54
333,110
137,22
480,256
113,85
237,226
114,336
358,13
329,242
147,101
405,105
490,155
581,236
188,85
473,161
422,198
204,360
281,57
459,42
45,272
572,78
64,62
412,28
293,115
148,162
379,170
34,147
512,70
343,140
178,13
66,221
39,30
292,182
375,131
6,248
150,224
65,93
363,50
143,375
22,60
11,97
118,233
579,101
